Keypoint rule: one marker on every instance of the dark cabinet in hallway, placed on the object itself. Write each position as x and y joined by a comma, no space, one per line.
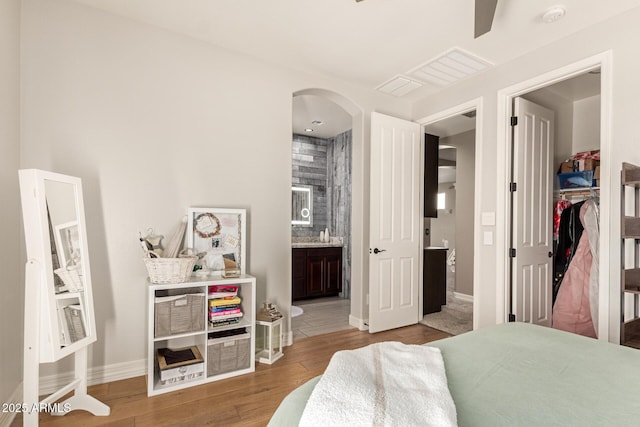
434,291
316,272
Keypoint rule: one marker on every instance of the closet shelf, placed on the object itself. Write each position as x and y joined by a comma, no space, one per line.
575,192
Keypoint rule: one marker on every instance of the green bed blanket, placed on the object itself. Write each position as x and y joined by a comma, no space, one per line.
517,374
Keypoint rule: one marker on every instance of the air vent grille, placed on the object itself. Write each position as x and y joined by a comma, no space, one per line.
450,67
399,86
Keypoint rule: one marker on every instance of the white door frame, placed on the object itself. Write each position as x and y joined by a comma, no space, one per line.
474,104
609,305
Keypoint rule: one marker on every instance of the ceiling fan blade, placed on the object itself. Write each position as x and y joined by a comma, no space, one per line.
485,10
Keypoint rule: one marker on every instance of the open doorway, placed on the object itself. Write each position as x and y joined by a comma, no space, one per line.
582,126
448,239
321,232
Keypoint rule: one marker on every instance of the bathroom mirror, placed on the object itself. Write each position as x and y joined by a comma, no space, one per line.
58,279
302,205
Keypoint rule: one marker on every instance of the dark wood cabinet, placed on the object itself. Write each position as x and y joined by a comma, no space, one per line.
316,272
434,290
431,148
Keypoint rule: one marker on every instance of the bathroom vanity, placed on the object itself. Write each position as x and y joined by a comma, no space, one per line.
316,269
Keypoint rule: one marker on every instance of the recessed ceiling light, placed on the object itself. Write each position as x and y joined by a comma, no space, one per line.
308,130
317,122
553,14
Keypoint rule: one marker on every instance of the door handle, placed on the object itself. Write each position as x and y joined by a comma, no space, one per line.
550,254
377,251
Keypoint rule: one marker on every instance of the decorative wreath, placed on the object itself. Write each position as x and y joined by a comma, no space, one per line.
206,234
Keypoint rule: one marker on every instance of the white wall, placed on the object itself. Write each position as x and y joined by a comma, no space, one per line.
11,262
153,123
586,124
619,35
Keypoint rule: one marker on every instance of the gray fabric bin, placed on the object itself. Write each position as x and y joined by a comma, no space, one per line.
228,354
179,314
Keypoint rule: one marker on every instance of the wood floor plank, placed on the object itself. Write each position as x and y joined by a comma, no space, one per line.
247,400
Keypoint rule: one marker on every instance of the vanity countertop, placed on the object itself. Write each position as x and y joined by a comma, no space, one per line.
314,242
435,247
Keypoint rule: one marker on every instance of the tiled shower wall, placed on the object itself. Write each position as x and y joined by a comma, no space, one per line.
325,165
310,168
339,199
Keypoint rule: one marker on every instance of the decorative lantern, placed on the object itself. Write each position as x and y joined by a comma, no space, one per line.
268,334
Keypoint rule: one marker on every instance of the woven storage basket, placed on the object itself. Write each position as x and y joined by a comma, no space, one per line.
170,270
71,277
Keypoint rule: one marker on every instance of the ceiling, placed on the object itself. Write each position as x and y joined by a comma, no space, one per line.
364,43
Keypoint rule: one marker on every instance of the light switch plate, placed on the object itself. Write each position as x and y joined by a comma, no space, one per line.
488,218
487,238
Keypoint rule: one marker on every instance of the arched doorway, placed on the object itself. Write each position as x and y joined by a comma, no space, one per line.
352,232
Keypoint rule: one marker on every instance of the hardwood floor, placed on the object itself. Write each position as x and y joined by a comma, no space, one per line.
247,400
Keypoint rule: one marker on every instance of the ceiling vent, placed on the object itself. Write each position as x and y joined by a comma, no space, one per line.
449,68
399,86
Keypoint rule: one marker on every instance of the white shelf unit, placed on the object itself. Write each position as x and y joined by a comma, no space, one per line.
200,338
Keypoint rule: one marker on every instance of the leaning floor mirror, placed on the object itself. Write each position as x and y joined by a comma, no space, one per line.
59,318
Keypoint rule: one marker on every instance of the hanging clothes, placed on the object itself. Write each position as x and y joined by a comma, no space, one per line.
592,225
572,308
569,233
558,207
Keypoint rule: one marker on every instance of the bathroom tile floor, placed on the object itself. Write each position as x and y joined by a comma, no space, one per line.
321,316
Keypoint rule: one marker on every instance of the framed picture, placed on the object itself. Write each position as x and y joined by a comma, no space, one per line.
67,240
220,234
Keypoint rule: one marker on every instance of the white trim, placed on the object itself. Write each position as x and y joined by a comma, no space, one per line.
288,338
361,324
97,375
477,105
603,61
463,297
6,418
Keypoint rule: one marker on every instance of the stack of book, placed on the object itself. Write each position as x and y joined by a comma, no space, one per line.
224,305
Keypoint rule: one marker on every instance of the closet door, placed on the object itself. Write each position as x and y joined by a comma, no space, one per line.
532,261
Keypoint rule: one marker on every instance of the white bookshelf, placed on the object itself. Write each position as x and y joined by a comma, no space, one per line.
200,338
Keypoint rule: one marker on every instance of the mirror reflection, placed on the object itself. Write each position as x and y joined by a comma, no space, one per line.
64,232
67,259
302,206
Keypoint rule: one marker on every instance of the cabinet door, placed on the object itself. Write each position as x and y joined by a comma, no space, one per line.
298,274
334,271
316,274
431,144
434,294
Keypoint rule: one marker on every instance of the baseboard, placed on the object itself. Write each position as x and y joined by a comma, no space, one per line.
98,375
463,297
358,323
288,339
6,418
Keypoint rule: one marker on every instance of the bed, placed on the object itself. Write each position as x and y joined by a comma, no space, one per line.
522,374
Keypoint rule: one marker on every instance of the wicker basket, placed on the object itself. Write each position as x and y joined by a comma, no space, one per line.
170,270
71,277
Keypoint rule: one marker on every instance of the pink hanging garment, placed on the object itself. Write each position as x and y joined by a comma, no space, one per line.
571,311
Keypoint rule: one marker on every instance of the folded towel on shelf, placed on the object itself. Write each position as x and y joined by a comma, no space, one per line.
383,384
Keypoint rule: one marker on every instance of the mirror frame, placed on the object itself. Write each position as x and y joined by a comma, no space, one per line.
41,286
303,189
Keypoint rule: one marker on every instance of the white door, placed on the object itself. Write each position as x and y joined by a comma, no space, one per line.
394,260
532,213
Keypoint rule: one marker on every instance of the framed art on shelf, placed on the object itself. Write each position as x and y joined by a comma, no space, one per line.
220,235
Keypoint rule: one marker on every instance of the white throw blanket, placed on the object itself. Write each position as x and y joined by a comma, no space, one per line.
384,384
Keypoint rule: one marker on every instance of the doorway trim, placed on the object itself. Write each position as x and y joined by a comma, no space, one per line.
603,61
477,105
